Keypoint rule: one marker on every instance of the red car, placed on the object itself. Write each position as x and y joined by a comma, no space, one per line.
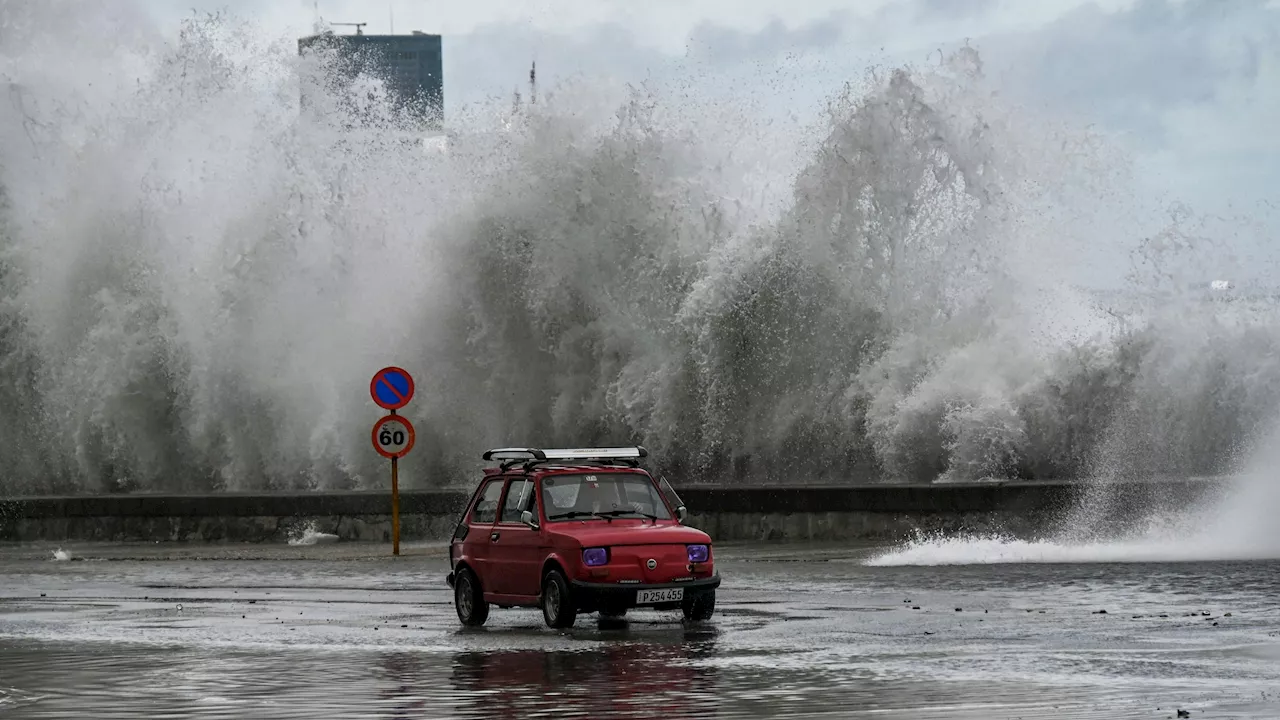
577,531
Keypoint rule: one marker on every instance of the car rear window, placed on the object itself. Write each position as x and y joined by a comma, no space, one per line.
486,510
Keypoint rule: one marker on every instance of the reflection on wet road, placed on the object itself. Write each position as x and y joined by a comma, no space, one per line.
346,631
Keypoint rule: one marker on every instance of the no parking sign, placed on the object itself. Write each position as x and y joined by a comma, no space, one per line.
391,388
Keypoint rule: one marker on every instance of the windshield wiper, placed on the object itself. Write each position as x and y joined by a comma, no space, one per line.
579,513
617,513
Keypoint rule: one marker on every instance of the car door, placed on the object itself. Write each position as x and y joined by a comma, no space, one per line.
476,546
515,550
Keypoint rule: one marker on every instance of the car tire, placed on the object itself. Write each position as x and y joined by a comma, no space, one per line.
699,607
557,604
468,599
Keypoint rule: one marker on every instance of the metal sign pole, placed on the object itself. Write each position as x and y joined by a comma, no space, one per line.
395,503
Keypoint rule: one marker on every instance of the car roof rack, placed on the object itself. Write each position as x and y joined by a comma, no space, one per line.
629,456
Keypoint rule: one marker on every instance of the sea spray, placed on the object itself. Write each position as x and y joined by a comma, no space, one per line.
200,278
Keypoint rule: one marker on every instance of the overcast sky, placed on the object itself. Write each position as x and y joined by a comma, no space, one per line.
1193,84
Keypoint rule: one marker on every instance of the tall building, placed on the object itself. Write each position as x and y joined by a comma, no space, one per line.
410,65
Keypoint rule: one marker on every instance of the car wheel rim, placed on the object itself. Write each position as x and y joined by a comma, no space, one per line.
553,600
464,597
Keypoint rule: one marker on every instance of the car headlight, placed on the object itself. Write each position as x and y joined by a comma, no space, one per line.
595,556
699,553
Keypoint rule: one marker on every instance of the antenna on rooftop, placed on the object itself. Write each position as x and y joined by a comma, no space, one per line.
358,26
533,83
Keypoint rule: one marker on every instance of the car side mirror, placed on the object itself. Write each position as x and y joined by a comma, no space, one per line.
527,518
681,513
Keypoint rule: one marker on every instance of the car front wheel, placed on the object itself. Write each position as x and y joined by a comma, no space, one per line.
468,599
557,605
699,607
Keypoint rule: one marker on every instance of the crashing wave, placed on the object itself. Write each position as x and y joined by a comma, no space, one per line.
196,283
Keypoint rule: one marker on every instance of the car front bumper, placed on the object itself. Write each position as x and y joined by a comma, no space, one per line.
621,596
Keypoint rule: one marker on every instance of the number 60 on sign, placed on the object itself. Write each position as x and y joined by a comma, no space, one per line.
393,436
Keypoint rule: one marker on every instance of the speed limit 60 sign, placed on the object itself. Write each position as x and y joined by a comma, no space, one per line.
393,436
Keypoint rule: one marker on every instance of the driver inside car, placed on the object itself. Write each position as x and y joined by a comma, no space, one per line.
591,497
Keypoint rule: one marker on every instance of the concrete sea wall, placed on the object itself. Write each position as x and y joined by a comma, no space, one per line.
868,512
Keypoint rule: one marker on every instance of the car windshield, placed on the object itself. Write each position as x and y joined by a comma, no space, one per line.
574,497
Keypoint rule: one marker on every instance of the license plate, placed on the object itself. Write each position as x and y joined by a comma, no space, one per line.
644,597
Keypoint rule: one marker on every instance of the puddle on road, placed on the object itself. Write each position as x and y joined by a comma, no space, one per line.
691,679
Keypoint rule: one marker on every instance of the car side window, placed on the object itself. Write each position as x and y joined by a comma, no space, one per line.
486,509
519,492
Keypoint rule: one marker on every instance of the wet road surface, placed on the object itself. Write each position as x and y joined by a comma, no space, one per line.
346,630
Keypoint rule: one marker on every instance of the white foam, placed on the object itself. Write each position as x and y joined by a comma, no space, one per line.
309,535
1239,524
992,550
